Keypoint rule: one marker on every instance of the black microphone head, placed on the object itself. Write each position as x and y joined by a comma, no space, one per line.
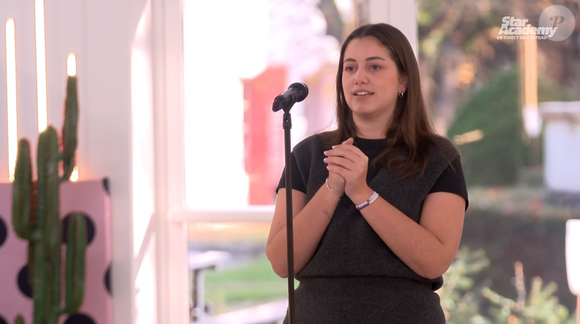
301,90
296,92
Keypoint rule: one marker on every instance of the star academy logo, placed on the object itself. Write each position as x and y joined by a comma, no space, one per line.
556,23
512,28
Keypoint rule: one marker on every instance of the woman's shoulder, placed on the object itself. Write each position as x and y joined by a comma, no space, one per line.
443,147
443,142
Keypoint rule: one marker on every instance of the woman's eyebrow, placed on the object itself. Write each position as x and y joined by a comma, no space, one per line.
375,58
367,59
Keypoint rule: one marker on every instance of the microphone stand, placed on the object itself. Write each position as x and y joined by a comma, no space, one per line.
295,93
287,125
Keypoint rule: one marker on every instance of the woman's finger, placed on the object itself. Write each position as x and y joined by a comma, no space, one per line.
350,154
340,161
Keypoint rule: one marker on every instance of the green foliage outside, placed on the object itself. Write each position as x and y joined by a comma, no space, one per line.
463,301
497,158
460,296
539,243
541,306
246,285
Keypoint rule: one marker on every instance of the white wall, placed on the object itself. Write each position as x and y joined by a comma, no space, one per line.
120,47
401,14
105,146
562,156
562,145
23,14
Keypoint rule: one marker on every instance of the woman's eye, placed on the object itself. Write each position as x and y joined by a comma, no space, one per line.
375,67
349,68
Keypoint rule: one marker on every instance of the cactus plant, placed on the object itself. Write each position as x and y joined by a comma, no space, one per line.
35,218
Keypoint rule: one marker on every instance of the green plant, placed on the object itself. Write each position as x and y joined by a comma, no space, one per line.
465,302
35,217
538,242
495,111
460,298
539,307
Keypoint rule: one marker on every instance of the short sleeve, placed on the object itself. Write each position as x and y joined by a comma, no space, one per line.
452,180
297,182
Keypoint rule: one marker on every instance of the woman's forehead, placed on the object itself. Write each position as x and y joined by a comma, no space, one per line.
366,48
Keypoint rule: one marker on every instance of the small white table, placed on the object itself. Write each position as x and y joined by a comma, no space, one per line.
199,263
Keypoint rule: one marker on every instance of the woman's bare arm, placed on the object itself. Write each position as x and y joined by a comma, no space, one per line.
428,248
309,223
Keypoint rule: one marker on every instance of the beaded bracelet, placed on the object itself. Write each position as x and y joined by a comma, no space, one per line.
371,200
330,189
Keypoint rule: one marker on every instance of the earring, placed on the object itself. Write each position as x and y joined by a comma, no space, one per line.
401,94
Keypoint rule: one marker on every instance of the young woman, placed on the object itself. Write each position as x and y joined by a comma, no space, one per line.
378,203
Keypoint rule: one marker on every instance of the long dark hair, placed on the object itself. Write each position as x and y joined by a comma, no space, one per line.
410,135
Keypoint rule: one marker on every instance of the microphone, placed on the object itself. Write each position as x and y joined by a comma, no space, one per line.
296,92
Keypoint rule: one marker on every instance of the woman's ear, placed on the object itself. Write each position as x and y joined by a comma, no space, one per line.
403,81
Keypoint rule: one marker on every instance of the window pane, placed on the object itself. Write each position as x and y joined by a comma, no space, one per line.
236,62
243,277
506,93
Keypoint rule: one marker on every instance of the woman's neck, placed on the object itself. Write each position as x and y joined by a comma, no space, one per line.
371,128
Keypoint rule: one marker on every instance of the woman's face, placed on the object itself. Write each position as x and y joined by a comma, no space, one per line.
370,79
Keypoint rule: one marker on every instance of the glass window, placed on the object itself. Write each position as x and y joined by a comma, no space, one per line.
500,78
236,62
238,56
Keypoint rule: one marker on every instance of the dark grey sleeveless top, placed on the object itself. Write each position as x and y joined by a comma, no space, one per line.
350,247
353,277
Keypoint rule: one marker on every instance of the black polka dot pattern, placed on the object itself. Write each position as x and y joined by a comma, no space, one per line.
79,319
23,283
20,273
108,280
106,186
90,228
3,232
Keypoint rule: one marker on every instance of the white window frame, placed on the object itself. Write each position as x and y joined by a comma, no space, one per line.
172,257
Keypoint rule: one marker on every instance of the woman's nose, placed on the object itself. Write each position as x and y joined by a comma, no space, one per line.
360,77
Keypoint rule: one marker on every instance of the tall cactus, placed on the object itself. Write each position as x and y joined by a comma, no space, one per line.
35,217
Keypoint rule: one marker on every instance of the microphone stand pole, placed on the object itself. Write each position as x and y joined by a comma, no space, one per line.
295,93
287,125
